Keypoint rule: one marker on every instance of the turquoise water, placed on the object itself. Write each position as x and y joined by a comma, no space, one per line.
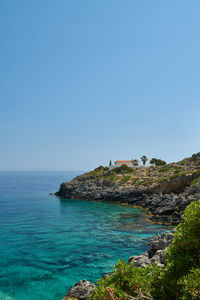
47,244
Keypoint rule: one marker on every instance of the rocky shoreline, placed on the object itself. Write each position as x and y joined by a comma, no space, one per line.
168,208
162,208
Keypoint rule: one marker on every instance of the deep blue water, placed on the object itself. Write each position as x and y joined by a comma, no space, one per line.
47,243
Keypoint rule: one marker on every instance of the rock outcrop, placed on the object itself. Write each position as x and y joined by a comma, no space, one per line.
156,252
80,291
168,208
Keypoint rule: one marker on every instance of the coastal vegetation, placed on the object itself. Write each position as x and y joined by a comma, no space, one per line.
179,279
153,175
144,159
157,162
135,162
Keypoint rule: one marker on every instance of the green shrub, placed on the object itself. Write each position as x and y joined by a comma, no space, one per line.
125,280
177,169
195,181
176,175
123,169
182,256
196,176
125,179
101,169
110,177
157,162
176,172
166,169
149,181
190,285
160,180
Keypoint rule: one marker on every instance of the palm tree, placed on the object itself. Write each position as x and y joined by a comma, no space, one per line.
144,159
135,162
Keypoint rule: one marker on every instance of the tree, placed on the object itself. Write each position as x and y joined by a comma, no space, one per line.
135,162
110,163
144,159
157,162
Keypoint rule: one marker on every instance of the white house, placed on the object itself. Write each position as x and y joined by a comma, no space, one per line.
119,163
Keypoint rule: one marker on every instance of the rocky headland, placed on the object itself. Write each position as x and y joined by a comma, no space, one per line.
165,191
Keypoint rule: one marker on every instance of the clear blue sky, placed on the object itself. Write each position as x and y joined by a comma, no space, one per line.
82,82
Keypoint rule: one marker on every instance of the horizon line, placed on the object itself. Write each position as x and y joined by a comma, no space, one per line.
39,170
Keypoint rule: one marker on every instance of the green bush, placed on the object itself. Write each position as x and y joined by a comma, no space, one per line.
111,178
161,180
196,174
190,285
123,169
195,181
157,162
182,256
196,177
166,169
180,279
125,178
176,175
125,280
101,169
177,169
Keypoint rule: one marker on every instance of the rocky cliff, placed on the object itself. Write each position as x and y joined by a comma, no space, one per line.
165,191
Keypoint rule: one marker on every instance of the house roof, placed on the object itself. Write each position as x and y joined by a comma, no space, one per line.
123,161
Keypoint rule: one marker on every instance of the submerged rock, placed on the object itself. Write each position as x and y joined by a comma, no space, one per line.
80,291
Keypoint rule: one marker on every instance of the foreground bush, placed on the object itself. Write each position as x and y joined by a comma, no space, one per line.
190,285
126,280
182,256
180,279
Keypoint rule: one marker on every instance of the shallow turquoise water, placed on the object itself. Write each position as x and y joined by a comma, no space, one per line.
47,244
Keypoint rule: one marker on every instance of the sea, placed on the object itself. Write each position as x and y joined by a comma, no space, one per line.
47,244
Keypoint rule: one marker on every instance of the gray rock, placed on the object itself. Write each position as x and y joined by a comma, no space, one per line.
156,252
140,260
80,291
